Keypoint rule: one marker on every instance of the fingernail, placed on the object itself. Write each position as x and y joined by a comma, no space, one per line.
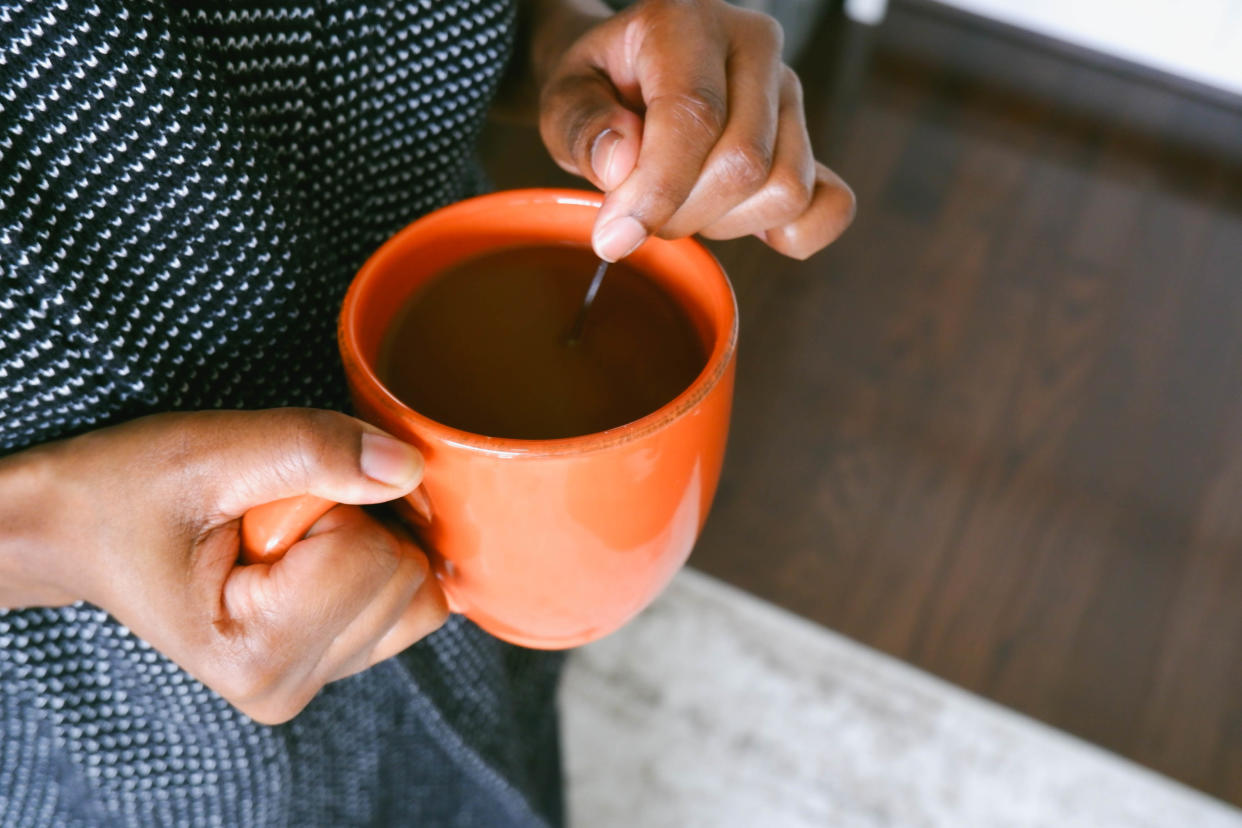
602,153
619,238
390,461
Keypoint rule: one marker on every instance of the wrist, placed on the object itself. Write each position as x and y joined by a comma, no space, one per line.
33,568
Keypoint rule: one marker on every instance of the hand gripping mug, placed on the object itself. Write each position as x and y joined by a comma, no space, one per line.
543,543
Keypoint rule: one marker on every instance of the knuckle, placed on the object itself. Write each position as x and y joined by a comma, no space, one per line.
248,667
791,81
383,550
273,711
700,112
264,716
314,434
247,679
376,555
658,203
433,611
440,613
746,166
789,193
773,31
555,94
312,423
656,12
762,30
565,122
421,567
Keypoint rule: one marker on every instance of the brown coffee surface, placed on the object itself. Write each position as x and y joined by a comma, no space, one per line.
484,347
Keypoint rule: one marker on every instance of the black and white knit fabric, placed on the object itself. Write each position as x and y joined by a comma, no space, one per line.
186,189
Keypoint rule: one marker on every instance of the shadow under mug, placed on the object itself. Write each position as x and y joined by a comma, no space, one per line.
543,543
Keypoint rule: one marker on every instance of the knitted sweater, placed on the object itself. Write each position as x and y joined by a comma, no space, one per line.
186,189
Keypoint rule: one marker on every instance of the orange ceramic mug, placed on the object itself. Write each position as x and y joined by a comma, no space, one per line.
543,543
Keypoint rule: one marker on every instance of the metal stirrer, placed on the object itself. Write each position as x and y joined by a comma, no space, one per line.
575,333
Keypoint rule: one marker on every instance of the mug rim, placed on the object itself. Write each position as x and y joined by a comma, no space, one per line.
680,406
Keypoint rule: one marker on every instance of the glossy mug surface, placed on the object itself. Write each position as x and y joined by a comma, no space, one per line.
543,543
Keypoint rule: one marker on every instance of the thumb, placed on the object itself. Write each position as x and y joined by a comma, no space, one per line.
588,130
262,456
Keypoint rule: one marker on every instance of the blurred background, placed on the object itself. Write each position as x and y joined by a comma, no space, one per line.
995,431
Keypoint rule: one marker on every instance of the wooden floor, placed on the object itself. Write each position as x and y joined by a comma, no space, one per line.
997,429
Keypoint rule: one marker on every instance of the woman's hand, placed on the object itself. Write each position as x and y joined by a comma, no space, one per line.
683,113
143,520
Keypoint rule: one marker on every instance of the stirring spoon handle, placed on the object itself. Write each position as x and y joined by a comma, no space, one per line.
575,333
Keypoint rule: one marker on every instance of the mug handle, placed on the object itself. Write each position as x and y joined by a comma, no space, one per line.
269,530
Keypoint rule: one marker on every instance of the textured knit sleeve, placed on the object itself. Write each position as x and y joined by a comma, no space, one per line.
185,193
186,189
146,251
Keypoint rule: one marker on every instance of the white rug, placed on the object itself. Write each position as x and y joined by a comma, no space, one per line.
715,708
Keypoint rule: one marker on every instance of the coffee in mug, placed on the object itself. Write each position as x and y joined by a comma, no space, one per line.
485,346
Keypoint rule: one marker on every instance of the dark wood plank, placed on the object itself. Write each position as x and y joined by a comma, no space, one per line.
997,429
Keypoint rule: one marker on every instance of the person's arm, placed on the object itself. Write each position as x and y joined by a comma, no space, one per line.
142,519
685,116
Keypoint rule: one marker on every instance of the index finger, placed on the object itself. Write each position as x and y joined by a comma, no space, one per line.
684,91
